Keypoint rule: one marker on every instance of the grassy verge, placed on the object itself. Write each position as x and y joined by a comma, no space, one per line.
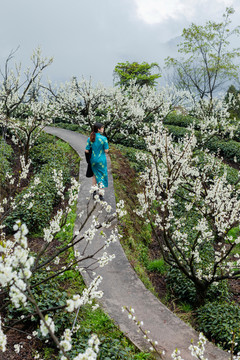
136,236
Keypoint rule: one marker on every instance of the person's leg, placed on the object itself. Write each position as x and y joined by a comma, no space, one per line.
101,191
94,182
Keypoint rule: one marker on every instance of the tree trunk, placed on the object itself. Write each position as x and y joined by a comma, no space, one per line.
201,293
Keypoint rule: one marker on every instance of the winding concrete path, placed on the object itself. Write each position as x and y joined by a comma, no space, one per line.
122,287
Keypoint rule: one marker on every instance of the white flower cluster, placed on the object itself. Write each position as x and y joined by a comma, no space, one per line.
58,179
25,167
3,338
73,192
145,333
120,209
215,117
174,172
198,350
112,238
87,297
130,106
92,350
47,324
54,227
66,341
105,258
15,264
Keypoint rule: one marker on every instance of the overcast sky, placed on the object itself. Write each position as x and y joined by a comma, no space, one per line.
89,37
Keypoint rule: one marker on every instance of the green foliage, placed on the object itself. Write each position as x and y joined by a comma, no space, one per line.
158,265
181,120
6,154
45,156
132,141
37,216
229,149
178,132
56,153
113,344
124,73
219,321
68,126
130,154
184,289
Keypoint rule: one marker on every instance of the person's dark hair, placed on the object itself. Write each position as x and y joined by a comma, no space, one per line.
95,129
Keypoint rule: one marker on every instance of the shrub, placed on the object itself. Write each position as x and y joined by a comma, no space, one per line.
183,288
51,154
229,149
5,160
130,154
181,120
37,216
45,156
177,131
219,321
132,140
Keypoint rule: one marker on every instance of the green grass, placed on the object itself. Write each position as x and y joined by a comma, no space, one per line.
158,265
136,235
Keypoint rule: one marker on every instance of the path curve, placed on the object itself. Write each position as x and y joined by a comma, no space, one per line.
121,285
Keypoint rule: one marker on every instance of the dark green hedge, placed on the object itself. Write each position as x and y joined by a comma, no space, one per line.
229,149
218,321
45,157
184,289
6,157
181,120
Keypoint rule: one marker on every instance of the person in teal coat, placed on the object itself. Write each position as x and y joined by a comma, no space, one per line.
98,160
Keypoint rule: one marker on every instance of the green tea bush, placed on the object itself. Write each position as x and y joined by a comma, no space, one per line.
229,149
6,154
37,216
133,141
219,321
130,154
45,156
49,154
68,126
183,288
181,120
177,132
43,138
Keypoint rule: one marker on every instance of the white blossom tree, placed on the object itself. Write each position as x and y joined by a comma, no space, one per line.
177,176
18,264
24,107
121,111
